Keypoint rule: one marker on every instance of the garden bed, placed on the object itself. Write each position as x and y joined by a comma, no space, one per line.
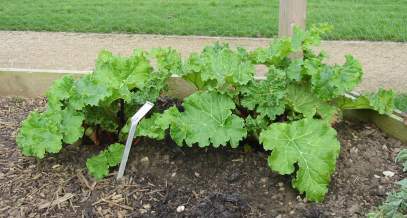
161,177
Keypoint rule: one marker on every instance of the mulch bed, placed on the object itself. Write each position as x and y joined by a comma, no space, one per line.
162,178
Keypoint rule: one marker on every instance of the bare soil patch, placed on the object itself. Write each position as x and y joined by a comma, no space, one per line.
161,177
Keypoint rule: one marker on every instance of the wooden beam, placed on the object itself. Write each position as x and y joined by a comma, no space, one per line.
392,125
35,83
30,82
292,13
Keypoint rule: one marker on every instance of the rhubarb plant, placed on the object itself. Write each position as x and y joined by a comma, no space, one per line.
290,112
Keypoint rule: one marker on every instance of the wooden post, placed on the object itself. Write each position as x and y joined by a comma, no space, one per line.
292,13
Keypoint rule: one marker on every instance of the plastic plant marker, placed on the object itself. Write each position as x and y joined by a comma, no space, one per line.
134,121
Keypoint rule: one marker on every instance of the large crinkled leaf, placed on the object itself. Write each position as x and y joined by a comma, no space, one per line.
382,101
208,119
151,128
168,60
88,91
303,101
294,70
114,154
155,126
40,134
276,54
59,91
191,72
220,63
218,67
297,39
266,96
314,64
155,84
329,82
312,145
117,71
168,63
71,125
304,40
98,165
122,74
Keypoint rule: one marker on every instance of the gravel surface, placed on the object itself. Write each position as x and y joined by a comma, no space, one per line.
384,62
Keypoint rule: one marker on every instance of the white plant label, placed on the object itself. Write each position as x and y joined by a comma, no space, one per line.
134,121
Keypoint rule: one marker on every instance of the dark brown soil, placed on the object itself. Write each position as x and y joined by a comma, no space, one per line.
161,177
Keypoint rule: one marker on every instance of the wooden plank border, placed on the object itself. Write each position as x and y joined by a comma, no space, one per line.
30,82
34,83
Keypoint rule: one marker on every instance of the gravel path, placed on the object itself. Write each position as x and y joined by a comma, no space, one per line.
384,62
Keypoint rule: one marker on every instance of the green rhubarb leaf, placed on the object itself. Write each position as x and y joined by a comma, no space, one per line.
168,60
313,65
298,38
98,165
71,125
276,54
40,134
153,87
400,102
114,154
191,72
218,67
220,63
150,128
310,144
327,111
59,91
155,126
402,158
122,74
330,82
304,40
208,119
294,70
117,71
382,101
303,101
266,96
88,91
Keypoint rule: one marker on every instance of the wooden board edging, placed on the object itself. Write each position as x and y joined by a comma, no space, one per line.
392,125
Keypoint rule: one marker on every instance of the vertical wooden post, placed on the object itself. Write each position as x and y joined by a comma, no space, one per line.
292,13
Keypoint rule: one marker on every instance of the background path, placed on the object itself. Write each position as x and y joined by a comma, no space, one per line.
384,63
